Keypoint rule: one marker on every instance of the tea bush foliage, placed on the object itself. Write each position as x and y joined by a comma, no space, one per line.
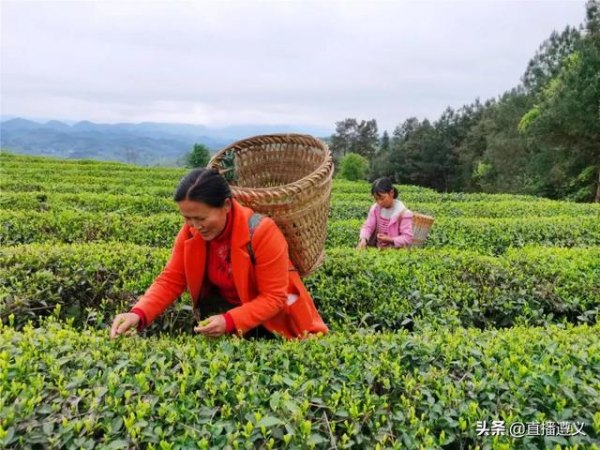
66,387
416,289
489,236
495,319
341,209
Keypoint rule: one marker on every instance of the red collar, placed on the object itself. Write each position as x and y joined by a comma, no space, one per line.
226,233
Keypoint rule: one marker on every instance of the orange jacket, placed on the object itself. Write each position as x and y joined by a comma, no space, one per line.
263,287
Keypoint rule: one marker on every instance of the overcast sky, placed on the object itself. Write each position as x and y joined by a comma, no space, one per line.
269,62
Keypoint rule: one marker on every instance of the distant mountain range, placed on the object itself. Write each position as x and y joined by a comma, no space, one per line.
144,143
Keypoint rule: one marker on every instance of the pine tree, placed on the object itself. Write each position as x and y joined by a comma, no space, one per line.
198,157
384,146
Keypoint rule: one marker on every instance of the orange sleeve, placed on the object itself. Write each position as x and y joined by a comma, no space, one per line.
169,285
271,274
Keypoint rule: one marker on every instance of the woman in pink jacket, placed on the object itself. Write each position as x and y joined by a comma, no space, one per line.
389,223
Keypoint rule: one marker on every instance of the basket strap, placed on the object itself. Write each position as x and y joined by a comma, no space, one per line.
253,223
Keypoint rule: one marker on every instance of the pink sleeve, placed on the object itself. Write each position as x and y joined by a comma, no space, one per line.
405,237
370,224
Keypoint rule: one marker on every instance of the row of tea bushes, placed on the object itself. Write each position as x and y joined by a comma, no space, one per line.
30,174
33,168
410,197
124,188
88,281
30,168
342,186
23,173
357,209
93,202
340,209
447,288
86,179
489,236
63,183
67,388
14,159
27,168
73,171
166,188
416,289
24,227
28,162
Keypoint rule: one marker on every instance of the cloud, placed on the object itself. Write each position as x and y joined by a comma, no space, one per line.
220,63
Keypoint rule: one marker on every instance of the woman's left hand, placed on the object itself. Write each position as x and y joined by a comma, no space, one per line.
214,326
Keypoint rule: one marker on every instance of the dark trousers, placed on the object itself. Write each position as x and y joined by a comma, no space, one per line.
213,305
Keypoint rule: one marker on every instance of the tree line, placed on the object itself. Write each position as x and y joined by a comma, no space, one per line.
541,138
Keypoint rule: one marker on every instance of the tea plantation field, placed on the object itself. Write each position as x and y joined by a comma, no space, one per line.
488,337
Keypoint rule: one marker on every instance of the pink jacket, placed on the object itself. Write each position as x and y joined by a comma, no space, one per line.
400,226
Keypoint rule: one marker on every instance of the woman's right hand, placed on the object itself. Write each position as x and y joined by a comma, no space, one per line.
362,244
122,323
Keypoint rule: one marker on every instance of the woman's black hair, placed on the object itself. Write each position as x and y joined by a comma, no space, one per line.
203,185
383,186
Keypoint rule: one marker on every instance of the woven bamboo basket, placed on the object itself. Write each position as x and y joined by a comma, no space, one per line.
421,226
288,178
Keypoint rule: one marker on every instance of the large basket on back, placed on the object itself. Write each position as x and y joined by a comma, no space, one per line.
421,226
288,178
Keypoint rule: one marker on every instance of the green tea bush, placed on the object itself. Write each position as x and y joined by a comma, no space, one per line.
352,209
92,202
446,288
406,364
22,227
24,161
66,388
83,180
388,291
75,170
98,187
341,186
432,196
340,210
86,281
489,236
166,188
138,185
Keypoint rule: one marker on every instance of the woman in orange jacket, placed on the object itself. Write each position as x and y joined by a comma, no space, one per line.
234,263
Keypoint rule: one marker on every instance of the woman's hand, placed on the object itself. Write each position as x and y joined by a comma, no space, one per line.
122,323
385,238
214,326
362,244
